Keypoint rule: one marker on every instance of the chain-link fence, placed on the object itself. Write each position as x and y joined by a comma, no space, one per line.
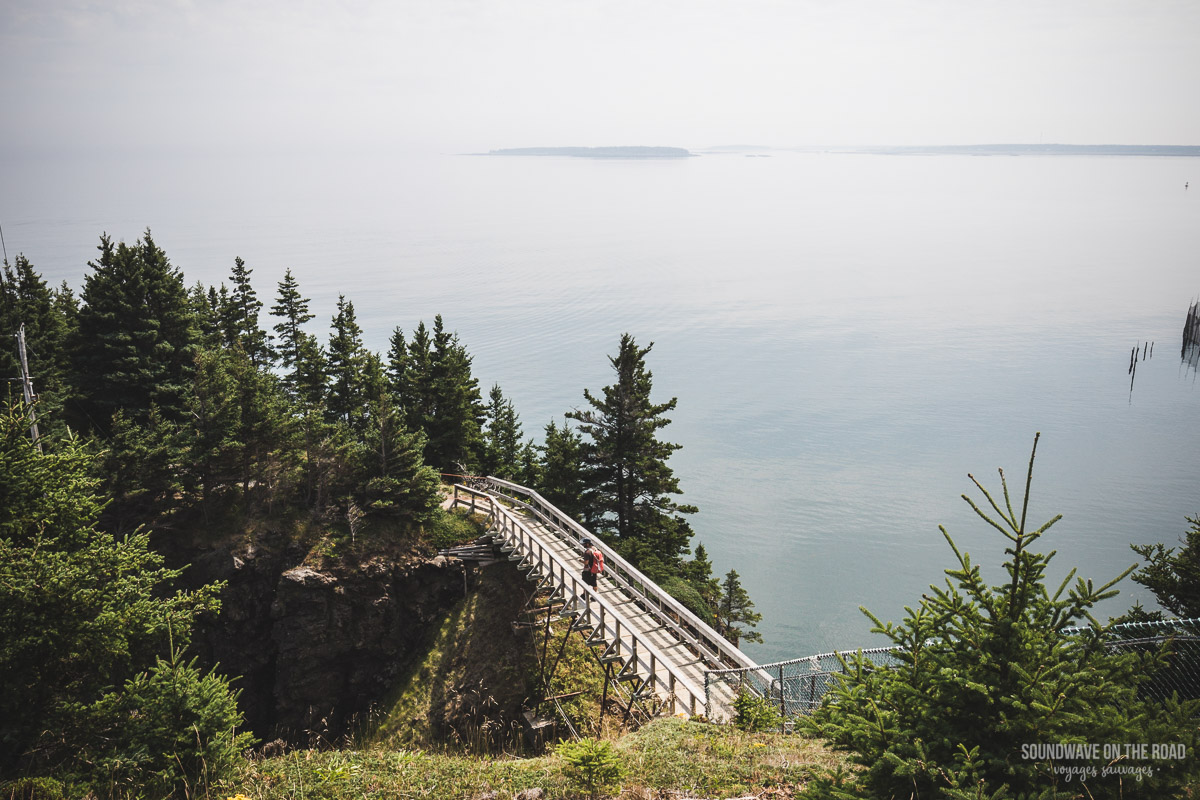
798,685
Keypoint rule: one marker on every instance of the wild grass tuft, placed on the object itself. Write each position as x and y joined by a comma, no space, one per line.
667,756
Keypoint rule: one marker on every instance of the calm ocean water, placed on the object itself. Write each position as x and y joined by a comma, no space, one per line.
848,335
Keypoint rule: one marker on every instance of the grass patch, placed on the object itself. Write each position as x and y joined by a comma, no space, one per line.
450,528
694,759
706,760
468,689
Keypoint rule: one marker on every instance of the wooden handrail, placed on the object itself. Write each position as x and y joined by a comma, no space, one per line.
707,638
646,656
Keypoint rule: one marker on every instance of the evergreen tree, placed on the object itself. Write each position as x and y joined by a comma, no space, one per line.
347,368
529,467
83,612
393,478
1173,577
136,338
397,365
142,470
216,410
454,431
244,434
413,379
292,310
985,671
502,448
734,609
202,301
699,573
330,453
169,732
239,317
629,482
48,318
561,467
311,374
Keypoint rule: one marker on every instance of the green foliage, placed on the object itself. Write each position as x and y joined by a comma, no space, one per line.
393,478
699,573
562,477
135,341
292,310
735,609
48,317
450,528
169,732
685,592
347,368
985,670
82,612
432,381
1173,577
141,468
239,318
502,451
628,481
39,788
594,765
454,429
755,713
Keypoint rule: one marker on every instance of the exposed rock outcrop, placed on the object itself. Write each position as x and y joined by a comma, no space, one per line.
314,645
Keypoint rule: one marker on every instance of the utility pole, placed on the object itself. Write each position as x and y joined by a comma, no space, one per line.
27,386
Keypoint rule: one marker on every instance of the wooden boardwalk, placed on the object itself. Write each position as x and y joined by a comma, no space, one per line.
657,647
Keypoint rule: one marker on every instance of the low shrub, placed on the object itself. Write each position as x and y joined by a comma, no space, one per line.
594,765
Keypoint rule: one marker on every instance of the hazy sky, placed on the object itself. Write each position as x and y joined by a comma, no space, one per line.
463,75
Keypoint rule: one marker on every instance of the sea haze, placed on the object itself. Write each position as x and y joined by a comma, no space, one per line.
848,335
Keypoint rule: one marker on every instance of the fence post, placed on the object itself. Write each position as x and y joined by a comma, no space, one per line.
782,705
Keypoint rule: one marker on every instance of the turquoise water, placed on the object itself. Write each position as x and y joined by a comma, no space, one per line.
848,335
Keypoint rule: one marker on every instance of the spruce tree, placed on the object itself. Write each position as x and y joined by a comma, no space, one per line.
142,469
292,310
1174,577
455,429
628,479
136,337
986,672
83,612
413,378
502,448
214,446
699,572
240,318
347,368
393,478
397,364
47,316
561,468
202,301
735,610
311,374
244,434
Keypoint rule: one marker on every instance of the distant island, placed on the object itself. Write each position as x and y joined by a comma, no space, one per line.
1022,150
596,152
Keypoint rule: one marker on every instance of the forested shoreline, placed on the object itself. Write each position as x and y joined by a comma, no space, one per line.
175,409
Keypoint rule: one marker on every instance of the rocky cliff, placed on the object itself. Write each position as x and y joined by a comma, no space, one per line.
312,641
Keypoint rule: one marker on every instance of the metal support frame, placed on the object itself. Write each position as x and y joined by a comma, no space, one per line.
619,645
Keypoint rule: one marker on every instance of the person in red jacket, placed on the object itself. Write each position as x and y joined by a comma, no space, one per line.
593,562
